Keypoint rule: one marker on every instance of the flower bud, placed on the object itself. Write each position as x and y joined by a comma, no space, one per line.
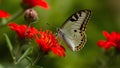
30,15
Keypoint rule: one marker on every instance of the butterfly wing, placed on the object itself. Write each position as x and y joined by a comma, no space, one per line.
73,30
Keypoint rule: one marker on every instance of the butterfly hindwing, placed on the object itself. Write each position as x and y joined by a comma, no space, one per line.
73,30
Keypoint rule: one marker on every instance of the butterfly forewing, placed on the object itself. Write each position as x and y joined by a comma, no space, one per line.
73,30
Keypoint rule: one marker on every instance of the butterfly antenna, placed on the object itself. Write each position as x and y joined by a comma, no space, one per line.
51,25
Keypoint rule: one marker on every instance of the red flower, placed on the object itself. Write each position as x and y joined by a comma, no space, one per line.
112,40
21,30
33,3
4,14
48,42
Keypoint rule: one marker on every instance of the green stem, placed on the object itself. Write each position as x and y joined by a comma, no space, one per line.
37,58
10,47
17,50
3,21
26,53
29,59
13,17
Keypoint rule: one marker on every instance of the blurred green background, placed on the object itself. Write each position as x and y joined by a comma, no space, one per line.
105,16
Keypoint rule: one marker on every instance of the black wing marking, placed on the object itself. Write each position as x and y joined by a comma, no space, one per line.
75,17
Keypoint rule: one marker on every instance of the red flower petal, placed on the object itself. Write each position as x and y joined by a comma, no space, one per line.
48,42
109,45
105,45
21,30
106,34
33,3
101,43
114,35
118,36
58,51
4,14
113,40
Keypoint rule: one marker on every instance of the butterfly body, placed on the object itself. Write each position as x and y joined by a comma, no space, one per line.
73,30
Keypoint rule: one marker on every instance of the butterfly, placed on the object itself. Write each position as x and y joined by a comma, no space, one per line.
73,30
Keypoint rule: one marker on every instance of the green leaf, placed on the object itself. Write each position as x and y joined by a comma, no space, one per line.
26,53
29,59
4,21
9,45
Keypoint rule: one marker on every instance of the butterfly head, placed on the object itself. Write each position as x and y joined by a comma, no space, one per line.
60,33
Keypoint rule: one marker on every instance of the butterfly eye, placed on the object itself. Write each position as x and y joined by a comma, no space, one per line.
75,30
57,29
